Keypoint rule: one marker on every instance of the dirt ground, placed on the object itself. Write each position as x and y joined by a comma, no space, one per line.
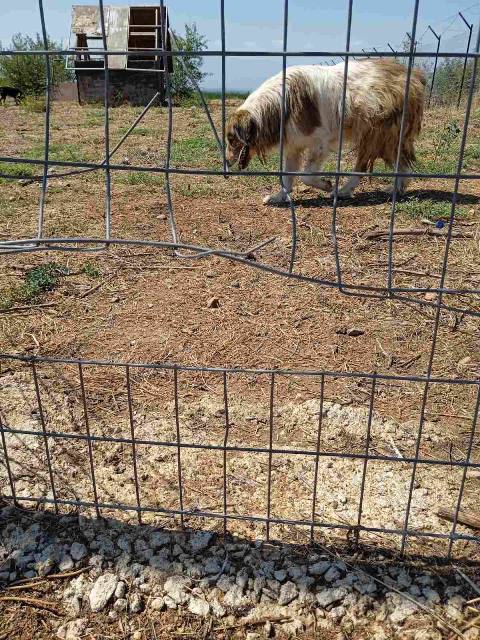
138,304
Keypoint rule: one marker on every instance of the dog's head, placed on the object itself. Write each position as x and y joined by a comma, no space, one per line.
242,136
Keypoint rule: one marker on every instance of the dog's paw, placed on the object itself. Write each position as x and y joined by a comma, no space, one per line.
275,198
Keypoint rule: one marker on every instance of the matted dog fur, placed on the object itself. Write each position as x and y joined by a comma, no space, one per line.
313,106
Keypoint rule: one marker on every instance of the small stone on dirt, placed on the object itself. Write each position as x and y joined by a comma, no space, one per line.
157,604
78,551
213,303
198,606
136,603
102,591
288,592
331,596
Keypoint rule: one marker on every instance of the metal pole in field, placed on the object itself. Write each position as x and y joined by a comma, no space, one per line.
439,38
392,49
469,27
414,47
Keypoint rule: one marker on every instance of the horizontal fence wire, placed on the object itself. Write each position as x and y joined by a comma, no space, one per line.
463,296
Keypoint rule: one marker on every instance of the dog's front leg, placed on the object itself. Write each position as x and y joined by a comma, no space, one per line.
291,162
313,163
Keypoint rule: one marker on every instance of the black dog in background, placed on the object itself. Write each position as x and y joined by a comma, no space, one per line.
10,92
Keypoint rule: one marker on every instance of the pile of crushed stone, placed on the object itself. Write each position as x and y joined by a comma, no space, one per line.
265,589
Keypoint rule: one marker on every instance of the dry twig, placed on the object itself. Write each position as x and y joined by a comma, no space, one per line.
467,518
384,235
33,602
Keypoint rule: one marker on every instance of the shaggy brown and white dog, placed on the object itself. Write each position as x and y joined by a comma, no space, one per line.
373,113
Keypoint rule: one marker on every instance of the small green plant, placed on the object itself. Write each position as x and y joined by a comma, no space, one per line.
138,131
94,117
139,177
91,270
200,150
16,170
44,277
447,137
38,280
34,104
429,209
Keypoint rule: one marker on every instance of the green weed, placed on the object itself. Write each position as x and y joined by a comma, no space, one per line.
34,104
37,281
427,208
138,131
200,150
139,177
91,270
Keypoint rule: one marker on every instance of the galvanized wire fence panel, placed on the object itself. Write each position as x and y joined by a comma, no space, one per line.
291,499
440,295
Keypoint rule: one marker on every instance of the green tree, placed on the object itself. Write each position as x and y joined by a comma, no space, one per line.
180,80
28,72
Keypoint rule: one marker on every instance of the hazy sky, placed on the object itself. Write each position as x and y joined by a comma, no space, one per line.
257,25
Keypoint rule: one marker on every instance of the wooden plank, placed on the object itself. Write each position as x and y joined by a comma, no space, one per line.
118,21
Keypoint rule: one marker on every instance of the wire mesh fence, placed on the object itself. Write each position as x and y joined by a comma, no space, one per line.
201,470
440,297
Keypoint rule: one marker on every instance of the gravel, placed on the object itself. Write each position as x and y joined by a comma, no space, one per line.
200,573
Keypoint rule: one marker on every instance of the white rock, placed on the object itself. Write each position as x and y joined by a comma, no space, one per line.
332,574
212,566
198,606
403,610
120,604
120,590
159,539
336,613
234,596
78,551
157,604
319,568
66,563
280,575
288,592
169,602
224,583
200,541
431,595
217,608
124,543
331,596
135,604
175,588
102,591
72,630
296,572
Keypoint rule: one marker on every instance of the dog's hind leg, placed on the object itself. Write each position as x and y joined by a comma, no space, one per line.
314,162
291,162
361,165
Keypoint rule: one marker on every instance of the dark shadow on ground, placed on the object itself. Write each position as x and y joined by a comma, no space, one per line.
379,196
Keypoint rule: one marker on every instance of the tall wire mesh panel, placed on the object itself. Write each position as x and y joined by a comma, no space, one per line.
439,293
